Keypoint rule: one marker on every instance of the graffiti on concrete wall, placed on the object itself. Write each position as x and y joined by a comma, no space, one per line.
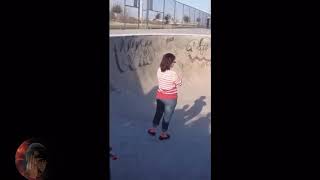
169,45
170,39
199,50
133,53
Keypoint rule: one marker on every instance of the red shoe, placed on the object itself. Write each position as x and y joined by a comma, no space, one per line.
164,136
152,131
114,157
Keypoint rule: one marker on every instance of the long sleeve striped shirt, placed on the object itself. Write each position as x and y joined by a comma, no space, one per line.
168,82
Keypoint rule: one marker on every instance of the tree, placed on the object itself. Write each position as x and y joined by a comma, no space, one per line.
158,16
116,9
198,20
167,18
186,19
112,16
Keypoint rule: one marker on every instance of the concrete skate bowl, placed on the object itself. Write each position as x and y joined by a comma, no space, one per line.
133,62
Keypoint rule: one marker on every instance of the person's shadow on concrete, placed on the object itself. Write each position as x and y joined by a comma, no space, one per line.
184,119
203,122
195,109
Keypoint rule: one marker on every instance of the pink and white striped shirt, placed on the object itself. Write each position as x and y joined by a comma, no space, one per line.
168,82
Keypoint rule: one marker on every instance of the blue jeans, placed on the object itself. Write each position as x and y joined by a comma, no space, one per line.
165,109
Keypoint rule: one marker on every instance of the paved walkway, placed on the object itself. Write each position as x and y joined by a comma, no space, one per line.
198,31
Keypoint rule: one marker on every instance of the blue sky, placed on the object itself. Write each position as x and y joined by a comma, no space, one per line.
203,5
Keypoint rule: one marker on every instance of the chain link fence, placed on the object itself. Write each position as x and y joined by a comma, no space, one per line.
156,14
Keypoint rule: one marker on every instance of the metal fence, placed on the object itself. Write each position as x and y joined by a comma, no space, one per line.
156,14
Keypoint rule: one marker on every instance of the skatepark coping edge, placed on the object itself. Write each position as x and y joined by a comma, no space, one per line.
159,34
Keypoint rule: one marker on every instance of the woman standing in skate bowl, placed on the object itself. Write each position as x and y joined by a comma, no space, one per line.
166,96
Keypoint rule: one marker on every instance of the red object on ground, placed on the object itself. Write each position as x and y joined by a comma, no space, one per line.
113,157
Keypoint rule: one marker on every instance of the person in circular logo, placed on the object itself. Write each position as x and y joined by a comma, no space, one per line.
31,160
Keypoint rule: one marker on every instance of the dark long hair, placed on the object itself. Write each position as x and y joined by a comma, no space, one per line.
166,62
